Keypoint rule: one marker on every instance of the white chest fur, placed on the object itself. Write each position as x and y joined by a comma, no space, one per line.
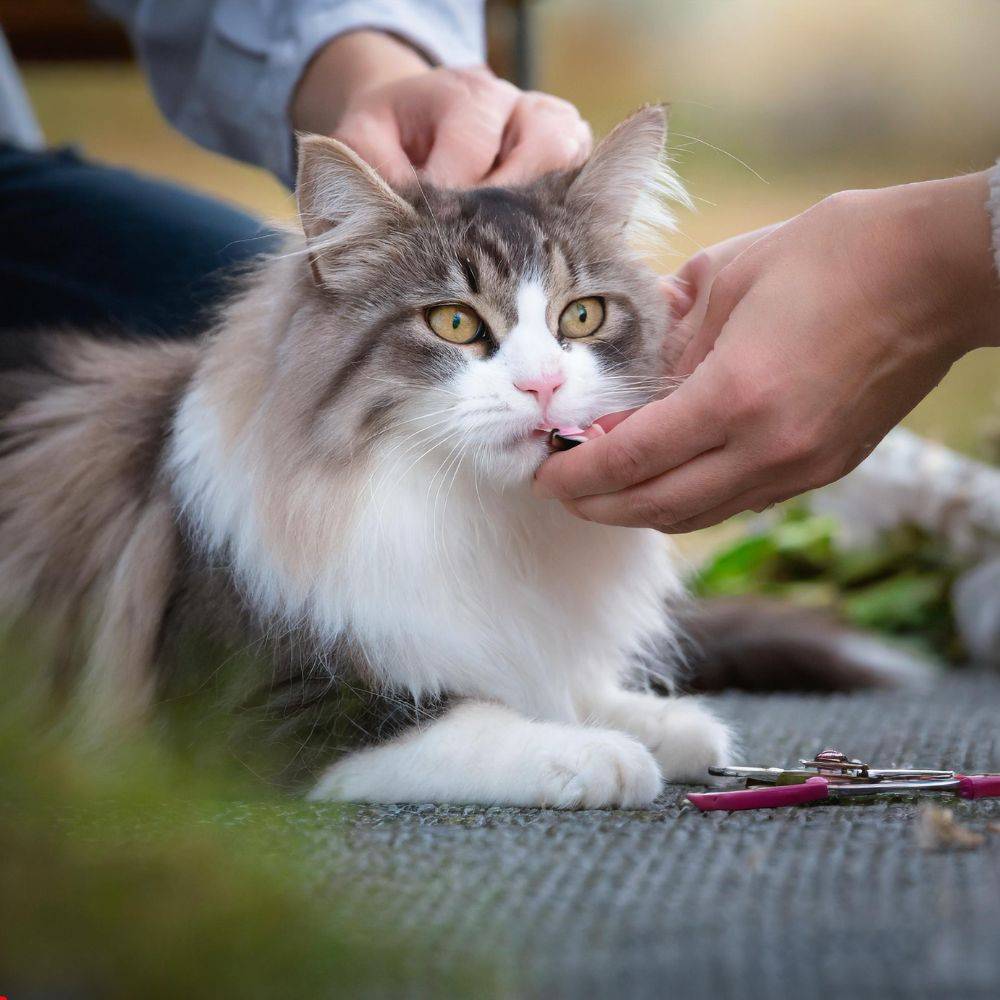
446,587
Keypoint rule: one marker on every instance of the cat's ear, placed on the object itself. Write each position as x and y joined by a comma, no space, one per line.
343,203
626,184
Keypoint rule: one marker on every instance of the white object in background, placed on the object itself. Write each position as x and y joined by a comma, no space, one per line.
908,480
976,600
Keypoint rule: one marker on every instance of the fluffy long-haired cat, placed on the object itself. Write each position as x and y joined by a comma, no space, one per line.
338,475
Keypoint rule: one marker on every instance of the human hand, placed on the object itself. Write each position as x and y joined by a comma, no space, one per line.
454,127
691,287
814,340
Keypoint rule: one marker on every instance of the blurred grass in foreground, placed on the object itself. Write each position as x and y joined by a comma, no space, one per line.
123,873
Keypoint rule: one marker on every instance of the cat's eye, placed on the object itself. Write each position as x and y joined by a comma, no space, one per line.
582,318
457,324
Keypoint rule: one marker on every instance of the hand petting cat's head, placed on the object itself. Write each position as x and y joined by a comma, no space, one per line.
476,321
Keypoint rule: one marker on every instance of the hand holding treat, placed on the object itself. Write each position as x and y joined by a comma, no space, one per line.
808,342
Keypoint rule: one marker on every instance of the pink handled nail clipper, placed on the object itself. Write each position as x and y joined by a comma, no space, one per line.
834,777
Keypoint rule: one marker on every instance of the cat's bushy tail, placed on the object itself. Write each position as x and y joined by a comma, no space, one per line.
757,644
87,530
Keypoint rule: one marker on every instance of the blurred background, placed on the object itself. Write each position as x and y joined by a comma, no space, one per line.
774,106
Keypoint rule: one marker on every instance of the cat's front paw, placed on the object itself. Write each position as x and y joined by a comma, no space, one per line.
595,770
685,737
693,740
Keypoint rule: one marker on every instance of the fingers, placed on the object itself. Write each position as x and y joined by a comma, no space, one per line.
680,295
758,500
611,420
658,437
461,128
375,138
709,315
544,133
698,278
710,482
470,122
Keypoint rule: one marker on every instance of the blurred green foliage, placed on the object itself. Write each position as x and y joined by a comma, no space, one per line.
146,870
900,586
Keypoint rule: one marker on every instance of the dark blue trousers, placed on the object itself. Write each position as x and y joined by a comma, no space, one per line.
98,247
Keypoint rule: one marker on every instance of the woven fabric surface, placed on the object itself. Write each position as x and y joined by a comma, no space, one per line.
817,901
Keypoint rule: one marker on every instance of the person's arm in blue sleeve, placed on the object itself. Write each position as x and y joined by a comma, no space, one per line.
402,81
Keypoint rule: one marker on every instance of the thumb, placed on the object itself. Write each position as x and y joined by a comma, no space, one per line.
646,443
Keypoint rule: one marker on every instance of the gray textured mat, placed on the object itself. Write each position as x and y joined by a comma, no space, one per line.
822,901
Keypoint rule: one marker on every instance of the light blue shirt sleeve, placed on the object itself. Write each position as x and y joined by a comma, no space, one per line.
223,71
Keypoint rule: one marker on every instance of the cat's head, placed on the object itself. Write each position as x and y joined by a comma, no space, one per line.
472,322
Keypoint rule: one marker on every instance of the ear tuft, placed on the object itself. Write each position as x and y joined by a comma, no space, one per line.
627,185
343,203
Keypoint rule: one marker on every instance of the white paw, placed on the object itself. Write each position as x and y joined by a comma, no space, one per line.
523,764
350,780
595,770
685,738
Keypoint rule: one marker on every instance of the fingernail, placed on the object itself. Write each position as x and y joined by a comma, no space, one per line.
611,420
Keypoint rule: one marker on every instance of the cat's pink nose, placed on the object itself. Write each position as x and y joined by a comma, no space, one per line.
542,386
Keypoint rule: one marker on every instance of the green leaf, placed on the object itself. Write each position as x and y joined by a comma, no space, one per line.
809,540
736,569
809,593
858,566
908,601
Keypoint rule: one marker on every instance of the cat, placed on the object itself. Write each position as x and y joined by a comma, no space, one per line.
338,475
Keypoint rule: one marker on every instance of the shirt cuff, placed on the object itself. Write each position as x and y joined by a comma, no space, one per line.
993,206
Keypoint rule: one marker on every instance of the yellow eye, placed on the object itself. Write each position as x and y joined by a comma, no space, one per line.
457,324
582,318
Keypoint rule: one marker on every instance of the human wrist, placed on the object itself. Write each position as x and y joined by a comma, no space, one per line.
344,67
952,226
